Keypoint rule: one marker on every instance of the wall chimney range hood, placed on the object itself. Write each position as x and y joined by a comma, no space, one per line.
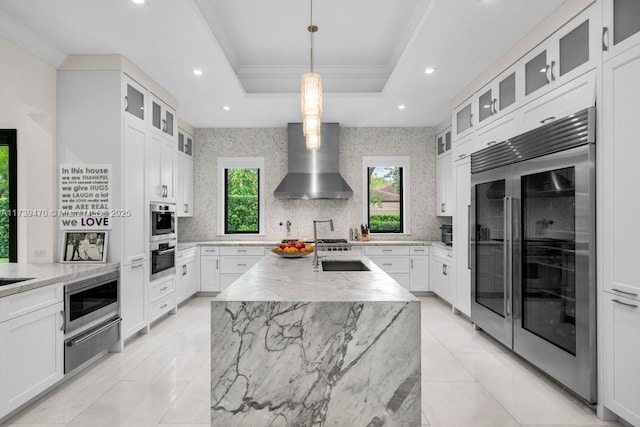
313,174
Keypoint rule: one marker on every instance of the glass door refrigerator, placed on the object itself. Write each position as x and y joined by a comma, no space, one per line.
532,237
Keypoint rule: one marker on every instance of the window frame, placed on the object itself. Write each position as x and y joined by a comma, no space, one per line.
9,138
405,209
225,163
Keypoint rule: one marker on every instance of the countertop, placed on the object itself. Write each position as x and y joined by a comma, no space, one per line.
275,278
270,243
46,274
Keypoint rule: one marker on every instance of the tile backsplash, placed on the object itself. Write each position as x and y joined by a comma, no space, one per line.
271,143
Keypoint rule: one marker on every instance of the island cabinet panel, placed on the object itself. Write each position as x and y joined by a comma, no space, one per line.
31,347
315,363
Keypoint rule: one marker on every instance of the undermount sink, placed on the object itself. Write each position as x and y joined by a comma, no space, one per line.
5,282
344,266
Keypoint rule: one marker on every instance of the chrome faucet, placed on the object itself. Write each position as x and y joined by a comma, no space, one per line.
315,238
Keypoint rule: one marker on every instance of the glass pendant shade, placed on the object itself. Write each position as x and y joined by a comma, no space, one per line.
311,95
312,141
311,125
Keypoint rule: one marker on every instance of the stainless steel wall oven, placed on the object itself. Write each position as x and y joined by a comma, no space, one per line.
162,221
163,258
532,237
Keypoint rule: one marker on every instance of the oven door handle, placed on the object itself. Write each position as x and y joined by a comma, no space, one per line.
165,251
98,331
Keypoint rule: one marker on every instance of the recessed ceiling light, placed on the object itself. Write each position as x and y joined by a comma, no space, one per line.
226,108
429,70
197,71
139,1
401,107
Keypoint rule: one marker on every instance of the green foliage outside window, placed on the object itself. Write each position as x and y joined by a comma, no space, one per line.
242,200
385,216
4,203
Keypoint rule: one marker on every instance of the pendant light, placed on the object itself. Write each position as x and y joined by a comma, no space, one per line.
311,99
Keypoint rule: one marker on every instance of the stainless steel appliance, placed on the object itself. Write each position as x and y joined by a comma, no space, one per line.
447,234
533,248
163,258
162,222
91,309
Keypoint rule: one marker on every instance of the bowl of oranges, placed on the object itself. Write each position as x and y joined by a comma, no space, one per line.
295,249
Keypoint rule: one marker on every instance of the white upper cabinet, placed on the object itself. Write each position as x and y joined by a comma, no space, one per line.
570,52
498,97
464,118
621,22
443,143
135,100
162,118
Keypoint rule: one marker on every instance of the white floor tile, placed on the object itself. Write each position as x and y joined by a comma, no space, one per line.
163,379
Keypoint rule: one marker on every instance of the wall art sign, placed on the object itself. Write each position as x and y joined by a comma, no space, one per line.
85,197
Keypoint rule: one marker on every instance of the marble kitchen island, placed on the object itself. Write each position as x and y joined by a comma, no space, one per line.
297,346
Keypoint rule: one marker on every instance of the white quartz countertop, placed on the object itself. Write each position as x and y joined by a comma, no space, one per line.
275,278
46,274
270,243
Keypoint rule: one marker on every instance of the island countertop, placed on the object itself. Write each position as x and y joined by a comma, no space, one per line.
46,274
275,278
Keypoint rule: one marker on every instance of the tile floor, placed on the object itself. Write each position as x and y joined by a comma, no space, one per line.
162,379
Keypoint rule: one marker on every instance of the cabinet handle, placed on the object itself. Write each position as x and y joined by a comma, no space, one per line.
412,264
605,39
136,266
444,269
164,288
494,110
387,264
184,270
217,264
186,207
553,64
491,143
418,250
442,207
548,119
241,265
241,251
137,259
126,103
387,250
548,74
164,125
624,292
64,321
462,156
164,306
624,303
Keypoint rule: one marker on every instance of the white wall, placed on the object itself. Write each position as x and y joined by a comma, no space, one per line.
28,104
418,143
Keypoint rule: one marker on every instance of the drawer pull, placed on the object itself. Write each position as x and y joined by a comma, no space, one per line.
548,119
387,264
94,333
242,251
164,289
624,303
624,292
165,305
387,250
137,266
137,259
418,250
242,265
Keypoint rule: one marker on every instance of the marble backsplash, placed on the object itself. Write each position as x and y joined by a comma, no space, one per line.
271,143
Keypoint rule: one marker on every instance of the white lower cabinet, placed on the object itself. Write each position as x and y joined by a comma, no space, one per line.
162,297
393,260
441,271
187,274
419,265
621,329
235,261
210,269
133,304
31,351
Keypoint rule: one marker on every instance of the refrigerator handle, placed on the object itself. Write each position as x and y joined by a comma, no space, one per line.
469,238
515,258
505,256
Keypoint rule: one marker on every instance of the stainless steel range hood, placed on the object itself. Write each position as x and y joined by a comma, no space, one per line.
313,174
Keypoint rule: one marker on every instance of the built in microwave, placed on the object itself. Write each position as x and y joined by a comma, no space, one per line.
163,221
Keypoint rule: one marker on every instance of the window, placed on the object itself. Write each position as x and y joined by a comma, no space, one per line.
241,195
8,192
386,189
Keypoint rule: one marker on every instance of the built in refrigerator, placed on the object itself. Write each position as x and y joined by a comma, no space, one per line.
532,241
